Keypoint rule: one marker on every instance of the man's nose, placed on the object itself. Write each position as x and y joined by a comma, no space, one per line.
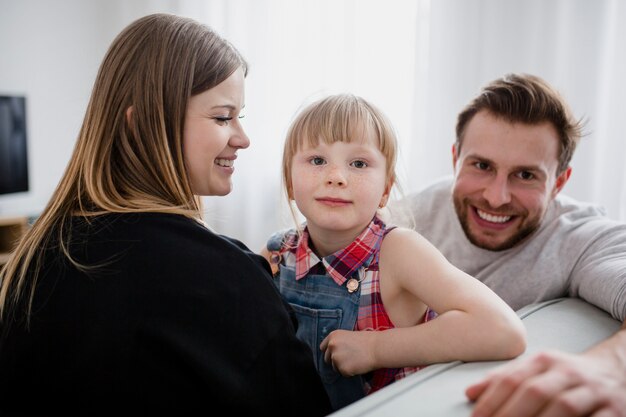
497,192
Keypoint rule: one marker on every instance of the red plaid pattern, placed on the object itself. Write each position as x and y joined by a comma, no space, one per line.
341,266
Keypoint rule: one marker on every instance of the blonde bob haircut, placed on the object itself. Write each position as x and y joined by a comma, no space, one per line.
339,118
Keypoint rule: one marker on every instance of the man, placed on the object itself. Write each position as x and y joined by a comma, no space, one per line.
501,219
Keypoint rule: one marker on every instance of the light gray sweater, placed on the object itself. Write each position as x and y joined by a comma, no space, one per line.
577,251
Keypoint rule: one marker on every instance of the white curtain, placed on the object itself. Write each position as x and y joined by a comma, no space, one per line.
420,61
576,45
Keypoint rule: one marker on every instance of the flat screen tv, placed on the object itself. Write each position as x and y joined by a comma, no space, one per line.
13,149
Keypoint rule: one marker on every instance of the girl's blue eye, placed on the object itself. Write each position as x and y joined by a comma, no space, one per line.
317,160
359,164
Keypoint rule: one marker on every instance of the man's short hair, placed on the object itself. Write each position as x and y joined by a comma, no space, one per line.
528,99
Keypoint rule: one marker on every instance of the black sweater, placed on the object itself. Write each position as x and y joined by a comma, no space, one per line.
171,319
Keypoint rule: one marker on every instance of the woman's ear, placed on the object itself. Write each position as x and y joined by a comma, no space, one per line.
129,115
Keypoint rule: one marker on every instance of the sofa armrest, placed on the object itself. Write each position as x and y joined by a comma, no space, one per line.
567,324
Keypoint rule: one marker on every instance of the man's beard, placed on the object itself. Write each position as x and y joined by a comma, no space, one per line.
524,230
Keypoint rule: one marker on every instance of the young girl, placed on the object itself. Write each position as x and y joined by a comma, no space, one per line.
345,272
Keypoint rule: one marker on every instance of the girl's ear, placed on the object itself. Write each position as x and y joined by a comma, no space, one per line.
290,192
385,198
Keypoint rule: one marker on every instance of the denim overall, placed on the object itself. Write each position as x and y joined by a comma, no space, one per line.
322,306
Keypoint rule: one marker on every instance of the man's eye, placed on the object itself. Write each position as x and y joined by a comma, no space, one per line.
359,164
317,160
525,175
481,165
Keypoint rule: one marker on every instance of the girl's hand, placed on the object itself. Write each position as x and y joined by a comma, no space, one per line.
349,352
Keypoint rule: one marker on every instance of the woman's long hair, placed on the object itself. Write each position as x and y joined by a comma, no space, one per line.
129,153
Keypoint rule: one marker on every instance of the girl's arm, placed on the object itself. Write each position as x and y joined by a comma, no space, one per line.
264,252
473,323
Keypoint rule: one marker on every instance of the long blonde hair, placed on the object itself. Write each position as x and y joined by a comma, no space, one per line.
129,153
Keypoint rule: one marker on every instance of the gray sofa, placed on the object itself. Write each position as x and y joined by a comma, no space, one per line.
567,324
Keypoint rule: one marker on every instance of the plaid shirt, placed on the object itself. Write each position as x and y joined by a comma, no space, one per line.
362,253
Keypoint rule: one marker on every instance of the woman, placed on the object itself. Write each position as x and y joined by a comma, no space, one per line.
119,299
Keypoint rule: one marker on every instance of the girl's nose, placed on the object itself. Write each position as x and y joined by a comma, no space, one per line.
335,177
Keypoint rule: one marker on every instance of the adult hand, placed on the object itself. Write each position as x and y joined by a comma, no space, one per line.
554,383
349,352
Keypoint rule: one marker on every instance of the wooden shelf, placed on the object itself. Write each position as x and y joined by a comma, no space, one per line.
11,230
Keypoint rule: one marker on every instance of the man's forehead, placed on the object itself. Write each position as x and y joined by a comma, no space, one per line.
488,134
511,146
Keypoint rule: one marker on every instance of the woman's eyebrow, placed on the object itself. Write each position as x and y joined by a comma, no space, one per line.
224,106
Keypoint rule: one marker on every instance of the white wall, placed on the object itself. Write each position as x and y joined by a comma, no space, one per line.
50,52
578,46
